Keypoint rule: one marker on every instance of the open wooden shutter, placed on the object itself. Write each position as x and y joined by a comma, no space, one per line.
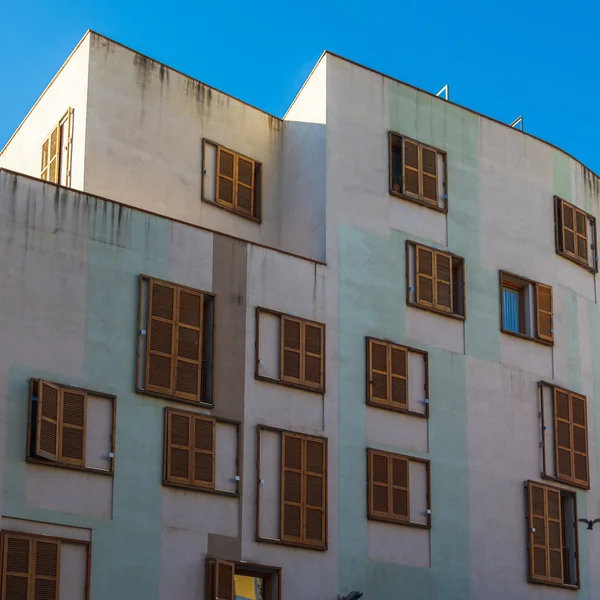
291,334
429,183
379,484
54,155
204,452
179,447
224,580
562,434
377,361
45,153
315,477
72,427
424,274
443,281
313,354
46,569
48,411
581,231
545,329
161,336
16,565
399,501
568,226
292,493
225,177
411,169
188,347
245,185
398,376
580,441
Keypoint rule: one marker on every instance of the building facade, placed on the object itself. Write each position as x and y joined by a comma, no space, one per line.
263,358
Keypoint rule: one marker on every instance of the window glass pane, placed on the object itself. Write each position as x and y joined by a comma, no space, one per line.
511,317
248,588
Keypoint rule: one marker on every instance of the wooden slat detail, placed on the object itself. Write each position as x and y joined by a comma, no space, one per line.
188,345
443,281
16,567
46,569
292,487
544,312
179,447
313,354
388,485
379,484
48,416
581,235
398,383
72,426
291,349
411,169
224,580
399,500
203,472
225,177
429,184
315,471
425,269
378,370
568,225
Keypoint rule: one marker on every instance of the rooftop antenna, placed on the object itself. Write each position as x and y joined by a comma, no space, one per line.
517,121
445,90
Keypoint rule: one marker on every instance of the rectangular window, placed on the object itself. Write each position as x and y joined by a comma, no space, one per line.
56,152
397,377
526,307
417,172
60,419
552,520
391,479
435,280
231,180
291,350
241,581
575,232
175,343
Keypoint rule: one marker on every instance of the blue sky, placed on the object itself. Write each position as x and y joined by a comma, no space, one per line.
503,59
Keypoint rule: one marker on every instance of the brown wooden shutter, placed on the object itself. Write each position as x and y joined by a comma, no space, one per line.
379,484
378,370
313,354
16,565
291,334
54,158
411,169
48,411
398,376
245,185
443,281
399,501
179,447
45,151
292,496
46,569
224,580
429,183
72,427
225,177
204,452
161,336
188,346
562,433
315,472
544,312
568,226
425,274
581,230
580,441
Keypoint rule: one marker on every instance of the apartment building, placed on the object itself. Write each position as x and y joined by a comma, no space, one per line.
353,349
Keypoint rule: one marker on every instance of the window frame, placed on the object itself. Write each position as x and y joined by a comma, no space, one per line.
388,406
256,217
400,194
433,309
558,234
265,572
280,381
200,488
279,541
34,459
143,338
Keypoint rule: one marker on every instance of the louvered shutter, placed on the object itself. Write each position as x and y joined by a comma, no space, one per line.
53,166
411,169
46,570
16,565
292,504
188,346
568,225
204,452
161,336
424,274
291,334
580,442
378,372
399,501
225,177
315,468
48,410
581,228
429,184
379,484
245,185
398,376
544,312
313,355
224,580
443,281
562,433
45,152
72,427
179,447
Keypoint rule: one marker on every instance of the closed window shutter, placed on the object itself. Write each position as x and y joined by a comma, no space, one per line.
544,312
48,411
225,177
424,274
72,427
224,581
313,355
568,225
179,447
399,501
580,442
292,488
161,336
429,183
291,334
411,169
581,228
245,185
16,565
188,347
398,376
204,452
378,372
443,281
379,484
315,467
46,570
